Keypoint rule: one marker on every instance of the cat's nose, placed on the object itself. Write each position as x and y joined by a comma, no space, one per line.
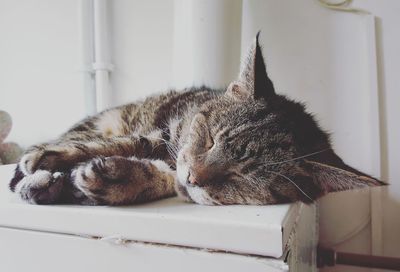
192,180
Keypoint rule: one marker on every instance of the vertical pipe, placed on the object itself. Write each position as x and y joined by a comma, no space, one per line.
102,65
183,44
206,42
87,54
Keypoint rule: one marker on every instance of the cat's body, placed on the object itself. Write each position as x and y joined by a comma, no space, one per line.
243,146
150,129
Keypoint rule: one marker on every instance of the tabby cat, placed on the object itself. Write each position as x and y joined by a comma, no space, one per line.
245,145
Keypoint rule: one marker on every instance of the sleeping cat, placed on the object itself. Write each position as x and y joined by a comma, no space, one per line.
245,145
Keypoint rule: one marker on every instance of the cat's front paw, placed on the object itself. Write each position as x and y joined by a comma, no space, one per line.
100,178
42,187
29,161
50,158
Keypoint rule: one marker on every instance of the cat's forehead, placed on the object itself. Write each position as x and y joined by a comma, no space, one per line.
225,112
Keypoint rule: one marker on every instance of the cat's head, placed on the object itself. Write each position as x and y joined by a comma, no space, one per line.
252,146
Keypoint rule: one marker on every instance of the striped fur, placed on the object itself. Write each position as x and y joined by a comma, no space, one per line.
247,145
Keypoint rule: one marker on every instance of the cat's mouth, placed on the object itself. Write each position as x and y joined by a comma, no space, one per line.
189,190
200,196
192,192
196,194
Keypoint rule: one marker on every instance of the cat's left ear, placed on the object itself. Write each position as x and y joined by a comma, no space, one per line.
253,80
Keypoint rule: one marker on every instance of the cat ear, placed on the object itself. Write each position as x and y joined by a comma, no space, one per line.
332,179
253,80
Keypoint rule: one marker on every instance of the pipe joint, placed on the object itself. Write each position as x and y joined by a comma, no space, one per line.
103,66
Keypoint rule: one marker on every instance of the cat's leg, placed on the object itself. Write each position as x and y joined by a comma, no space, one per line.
63,155
33,185
118,180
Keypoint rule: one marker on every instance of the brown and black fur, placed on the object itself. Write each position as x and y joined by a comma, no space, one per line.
247,145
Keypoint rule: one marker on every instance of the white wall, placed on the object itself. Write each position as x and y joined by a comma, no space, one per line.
158,45
39,68
41,80
141,48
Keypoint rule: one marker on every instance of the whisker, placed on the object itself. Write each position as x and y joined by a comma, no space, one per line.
171,148
287,178
297,158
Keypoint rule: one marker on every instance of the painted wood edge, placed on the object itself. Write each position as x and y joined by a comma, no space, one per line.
376,193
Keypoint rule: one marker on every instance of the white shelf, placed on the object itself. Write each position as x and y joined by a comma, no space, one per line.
259,230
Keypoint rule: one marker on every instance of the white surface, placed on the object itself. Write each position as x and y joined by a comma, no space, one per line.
240,229
41,252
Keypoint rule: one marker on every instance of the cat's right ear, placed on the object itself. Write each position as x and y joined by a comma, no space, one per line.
333,179
253,81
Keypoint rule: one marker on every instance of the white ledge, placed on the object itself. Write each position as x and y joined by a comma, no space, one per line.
259,230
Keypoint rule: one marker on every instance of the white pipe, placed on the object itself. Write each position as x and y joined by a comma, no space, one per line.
207,38
87,54
102,65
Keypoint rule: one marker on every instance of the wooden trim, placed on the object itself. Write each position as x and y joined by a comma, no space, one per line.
376,193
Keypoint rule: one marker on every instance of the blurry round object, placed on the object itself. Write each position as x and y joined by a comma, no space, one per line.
5,125
10,153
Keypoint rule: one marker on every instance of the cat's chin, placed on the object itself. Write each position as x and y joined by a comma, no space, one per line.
195,194
200,196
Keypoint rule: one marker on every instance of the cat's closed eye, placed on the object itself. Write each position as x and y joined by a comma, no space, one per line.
209,142
200,132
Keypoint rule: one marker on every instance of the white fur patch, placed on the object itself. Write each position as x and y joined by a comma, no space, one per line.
110,123
200,196
56,175
37,180
155,134
182,170
173,128
162,166
92,145
79,181
26,163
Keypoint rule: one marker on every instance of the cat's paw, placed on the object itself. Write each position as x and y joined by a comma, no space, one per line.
29,161
42,187
50,158
98,178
